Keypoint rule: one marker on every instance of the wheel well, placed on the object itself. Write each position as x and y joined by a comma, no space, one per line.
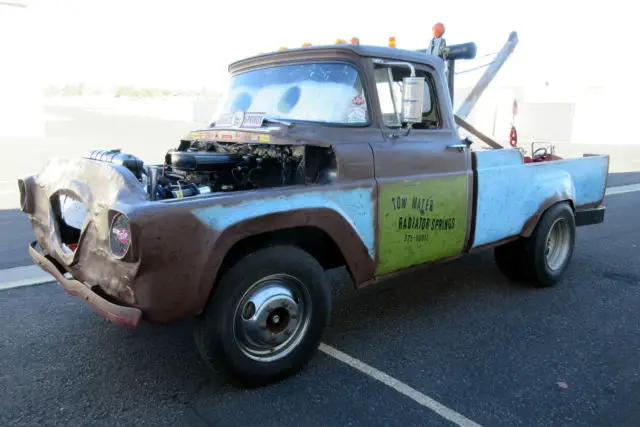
571,205
568,202
530,227
313,240
559,202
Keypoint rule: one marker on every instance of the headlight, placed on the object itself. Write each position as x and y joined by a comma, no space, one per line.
26,199
119,235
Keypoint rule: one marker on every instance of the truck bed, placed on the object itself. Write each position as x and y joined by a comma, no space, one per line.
530,188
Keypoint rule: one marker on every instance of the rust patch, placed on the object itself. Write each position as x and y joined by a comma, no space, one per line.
494,244
531,223
379,279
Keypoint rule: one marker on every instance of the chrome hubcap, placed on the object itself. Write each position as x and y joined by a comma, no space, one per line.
271,317
558,244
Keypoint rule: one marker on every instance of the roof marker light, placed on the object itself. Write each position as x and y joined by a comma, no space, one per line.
438,29
355,40
392,42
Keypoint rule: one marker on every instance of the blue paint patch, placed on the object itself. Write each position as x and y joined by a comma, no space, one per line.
498,158
510,192
589,175
354,205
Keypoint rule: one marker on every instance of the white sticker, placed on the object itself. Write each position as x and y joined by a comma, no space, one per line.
357,115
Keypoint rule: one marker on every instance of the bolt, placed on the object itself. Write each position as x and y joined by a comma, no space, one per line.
276,319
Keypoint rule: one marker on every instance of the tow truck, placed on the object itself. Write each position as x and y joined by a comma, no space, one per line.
320,157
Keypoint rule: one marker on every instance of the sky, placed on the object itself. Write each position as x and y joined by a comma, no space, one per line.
189,44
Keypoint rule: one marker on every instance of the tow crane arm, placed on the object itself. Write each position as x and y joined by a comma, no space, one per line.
488,76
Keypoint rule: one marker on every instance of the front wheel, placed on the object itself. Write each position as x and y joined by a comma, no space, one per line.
266,317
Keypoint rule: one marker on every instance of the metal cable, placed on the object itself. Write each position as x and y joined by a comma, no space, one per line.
474,69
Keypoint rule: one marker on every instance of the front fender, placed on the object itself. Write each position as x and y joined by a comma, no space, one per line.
346,215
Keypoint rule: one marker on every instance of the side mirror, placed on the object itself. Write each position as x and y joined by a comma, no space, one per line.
412,99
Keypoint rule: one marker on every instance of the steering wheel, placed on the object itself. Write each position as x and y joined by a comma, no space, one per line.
543,153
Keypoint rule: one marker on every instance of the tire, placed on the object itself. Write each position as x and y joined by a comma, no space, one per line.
508,259
278,291
548,251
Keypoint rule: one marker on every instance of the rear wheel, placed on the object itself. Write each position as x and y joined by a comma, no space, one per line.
266,317
508,258
547,253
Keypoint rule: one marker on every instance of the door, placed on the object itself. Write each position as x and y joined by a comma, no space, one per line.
424,183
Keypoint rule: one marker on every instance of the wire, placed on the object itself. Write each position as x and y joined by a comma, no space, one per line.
481,66
488,54
475,68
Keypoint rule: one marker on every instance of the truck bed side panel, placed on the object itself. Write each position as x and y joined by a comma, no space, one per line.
511,195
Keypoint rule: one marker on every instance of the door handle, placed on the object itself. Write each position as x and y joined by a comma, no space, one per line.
459,147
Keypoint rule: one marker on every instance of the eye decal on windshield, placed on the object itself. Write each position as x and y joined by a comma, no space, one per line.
242,102
289,99
308,92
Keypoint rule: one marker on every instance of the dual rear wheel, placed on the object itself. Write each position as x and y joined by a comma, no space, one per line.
543,258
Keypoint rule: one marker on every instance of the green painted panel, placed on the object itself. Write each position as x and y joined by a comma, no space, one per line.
421,220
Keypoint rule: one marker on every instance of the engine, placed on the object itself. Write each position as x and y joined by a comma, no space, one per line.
205,167
212,167
134,164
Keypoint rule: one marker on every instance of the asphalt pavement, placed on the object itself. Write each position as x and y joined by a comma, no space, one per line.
500,353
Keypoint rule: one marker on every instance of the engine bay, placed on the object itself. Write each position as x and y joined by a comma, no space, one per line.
203,167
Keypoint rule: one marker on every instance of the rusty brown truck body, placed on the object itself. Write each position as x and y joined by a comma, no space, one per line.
320,158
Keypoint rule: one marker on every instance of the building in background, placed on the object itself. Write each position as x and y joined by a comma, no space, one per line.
548,113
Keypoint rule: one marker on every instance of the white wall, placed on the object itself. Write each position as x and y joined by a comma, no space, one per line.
592,115
21,106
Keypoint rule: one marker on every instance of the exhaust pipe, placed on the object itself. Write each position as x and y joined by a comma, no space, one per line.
152,189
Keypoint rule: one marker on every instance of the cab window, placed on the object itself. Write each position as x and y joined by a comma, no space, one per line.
389,87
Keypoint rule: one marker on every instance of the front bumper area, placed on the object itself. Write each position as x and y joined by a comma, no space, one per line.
118,314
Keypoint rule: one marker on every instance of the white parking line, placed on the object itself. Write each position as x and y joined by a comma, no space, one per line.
622,189
17,277
400,387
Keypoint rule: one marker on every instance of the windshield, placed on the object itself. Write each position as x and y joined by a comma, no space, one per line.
313,92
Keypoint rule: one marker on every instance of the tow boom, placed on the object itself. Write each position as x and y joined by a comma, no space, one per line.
489,74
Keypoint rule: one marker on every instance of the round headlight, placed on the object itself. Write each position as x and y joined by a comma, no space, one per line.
119,235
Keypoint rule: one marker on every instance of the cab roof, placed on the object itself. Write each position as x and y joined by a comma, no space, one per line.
382,52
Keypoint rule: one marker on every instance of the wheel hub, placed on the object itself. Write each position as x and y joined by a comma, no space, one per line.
557,245
270,316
